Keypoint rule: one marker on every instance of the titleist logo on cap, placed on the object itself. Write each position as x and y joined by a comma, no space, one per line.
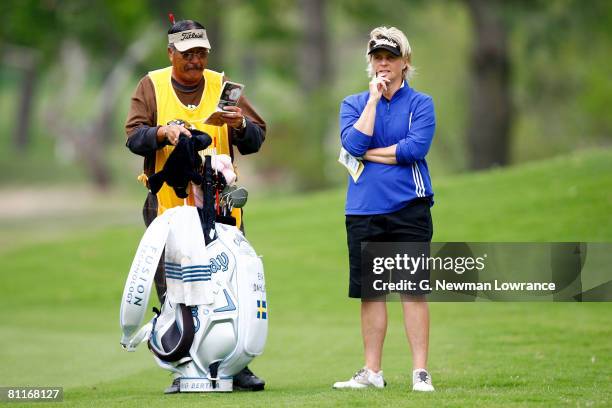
189,39
187,35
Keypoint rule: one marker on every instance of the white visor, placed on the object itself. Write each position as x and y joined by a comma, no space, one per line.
189,39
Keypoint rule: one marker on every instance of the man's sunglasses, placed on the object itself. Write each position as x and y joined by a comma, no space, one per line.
188,55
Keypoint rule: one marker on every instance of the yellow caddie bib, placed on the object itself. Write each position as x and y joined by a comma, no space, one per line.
169,108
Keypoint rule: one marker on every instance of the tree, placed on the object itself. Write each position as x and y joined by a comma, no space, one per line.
291,39
88,140
491,113
36,31
25,60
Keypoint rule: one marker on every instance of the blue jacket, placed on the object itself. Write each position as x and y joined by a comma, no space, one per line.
407,120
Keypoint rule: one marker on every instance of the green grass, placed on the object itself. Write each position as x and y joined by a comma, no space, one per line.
60,298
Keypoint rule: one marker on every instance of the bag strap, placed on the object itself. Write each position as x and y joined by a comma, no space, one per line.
140,278
181,348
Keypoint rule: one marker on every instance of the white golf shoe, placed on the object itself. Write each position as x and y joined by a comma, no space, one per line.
363,378
421,381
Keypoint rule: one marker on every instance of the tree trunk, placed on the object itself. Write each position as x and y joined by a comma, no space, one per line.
314,73
214,30
490,100
21,131
25,60
314,52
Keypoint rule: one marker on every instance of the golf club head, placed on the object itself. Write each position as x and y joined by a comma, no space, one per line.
234,196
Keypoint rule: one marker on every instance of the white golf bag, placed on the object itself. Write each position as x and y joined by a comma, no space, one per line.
214,320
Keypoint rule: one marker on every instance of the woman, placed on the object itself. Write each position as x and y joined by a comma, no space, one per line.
390,127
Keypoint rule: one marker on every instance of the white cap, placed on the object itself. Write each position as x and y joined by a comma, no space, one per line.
185,40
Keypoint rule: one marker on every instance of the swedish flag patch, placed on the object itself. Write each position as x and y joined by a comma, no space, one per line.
262,309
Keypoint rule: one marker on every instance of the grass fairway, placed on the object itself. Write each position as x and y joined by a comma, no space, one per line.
60,300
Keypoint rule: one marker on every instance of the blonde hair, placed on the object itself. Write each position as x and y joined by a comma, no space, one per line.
399,37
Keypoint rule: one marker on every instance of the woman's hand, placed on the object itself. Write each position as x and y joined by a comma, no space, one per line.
378,85
384,155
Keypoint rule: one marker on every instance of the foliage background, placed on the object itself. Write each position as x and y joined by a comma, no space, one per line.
298,60
70,203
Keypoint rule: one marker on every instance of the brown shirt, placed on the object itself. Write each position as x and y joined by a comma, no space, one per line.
141,123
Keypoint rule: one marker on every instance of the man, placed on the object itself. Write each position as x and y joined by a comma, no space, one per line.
391,128
165,99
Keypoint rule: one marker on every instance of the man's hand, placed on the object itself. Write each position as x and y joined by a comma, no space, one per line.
233,118
171,133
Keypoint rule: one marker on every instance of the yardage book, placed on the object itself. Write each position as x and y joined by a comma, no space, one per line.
352,164
230,94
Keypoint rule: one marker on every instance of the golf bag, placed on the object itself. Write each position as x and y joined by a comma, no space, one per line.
214,319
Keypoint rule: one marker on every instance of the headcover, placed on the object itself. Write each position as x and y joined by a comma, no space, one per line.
183,164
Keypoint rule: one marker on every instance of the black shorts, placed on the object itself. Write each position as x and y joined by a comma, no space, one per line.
410,224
